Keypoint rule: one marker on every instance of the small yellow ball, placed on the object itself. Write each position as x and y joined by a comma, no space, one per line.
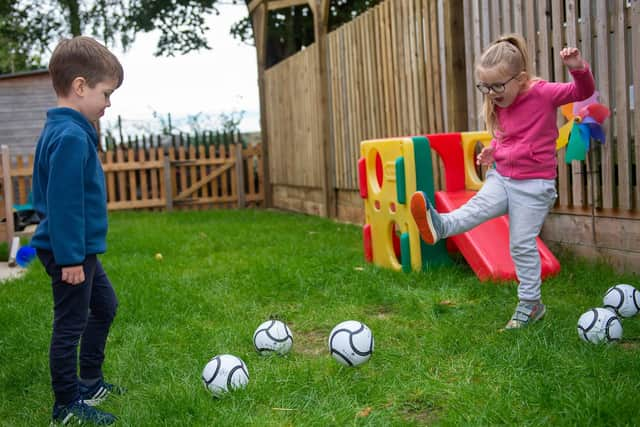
158,256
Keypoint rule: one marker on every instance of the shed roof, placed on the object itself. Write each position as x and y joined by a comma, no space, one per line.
24,74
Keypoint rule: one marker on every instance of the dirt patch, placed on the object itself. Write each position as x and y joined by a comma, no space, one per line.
311,343
380,311
630,344
421,411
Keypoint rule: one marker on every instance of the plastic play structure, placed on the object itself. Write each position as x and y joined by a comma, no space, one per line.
391,170
388,177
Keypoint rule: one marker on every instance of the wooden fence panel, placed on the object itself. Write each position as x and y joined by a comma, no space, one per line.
144,187
252,156
621,105
601,74
389,82
131,175
437,73
385,80
577,174
182,177
156,177
223,187
200,178
294,133
124,189
120,177
232,174
202,172
634,27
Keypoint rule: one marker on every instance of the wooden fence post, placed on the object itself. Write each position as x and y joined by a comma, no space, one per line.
168,188
258,12
239,172
7,187
455,66
320,10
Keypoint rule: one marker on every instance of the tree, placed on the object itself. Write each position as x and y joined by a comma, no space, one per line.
16,41
291,29
27,29
230,122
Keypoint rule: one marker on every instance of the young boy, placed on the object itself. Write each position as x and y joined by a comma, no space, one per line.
70,198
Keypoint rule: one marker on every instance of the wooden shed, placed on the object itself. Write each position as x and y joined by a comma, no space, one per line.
24,100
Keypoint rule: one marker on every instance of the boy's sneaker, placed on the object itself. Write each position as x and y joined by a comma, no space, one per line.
80,413
97,393
428,223
526,313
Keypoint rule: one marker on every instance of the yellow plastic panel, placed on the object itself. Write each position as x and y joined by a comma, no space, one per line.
382,209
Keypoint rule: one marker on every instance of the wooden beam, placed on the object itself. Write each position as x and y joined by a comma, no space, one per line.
259,23
277,4
204,181
320,10
281,4
138,204
165,181
7,187
253,5
454,39
240,173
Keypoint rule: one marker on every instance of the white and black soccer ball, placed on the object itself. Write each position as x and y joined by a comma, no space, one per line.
351,343
225,373
599,325
623,299
273,336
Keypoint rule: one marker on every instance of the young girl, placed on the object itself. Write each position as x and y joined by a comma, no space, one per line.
520,113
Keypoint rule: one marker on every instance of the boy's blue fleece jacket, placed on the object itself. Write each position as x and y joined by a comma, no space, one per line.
69,191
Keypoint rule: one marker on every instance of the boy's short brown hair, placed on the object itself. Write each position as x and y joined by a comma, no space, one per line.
83,57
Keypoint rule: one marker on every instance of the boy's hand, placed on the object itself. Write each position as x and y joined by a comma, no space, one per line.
73,275
485,158
571,58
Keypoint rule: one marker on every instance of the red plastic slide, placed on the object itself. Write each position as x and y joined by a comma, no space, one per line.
486,247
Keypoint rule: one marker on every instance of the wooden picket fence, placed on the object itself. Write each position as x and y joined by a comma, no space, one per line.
175,172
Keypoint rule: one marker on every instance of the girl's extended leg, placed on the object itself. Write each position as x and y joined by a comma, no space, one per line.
490,202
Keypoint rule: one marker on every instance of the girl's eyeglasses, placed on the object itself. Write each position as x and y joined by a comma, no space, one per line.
496,87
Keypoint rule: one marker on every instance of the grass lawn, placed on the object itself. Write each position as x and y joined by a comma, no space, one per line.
439,359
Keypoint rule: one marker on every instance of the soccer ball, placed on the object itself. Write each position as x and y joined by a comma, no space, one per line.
273,336
599,325
225,373
351,343
623,299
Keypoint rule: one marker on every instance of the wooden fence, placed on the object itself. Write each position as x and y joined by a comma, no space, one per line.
160,173
292,108
406,67
387,75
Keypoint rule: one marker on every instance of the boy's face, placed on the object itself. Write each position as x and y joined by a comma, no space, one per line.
93,101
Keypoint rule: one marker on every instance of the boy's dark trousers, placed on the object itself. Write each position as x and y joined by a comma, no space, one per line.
81,313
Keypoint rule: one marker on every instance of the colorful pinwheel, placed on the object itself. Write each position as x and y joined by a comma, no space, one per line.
584,123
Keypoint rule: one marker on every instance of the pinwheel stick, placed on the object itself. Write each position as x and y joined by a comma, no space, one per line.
591,183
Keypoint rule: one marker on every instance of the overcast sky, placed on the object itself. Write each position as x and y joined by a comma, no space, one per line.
220,80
